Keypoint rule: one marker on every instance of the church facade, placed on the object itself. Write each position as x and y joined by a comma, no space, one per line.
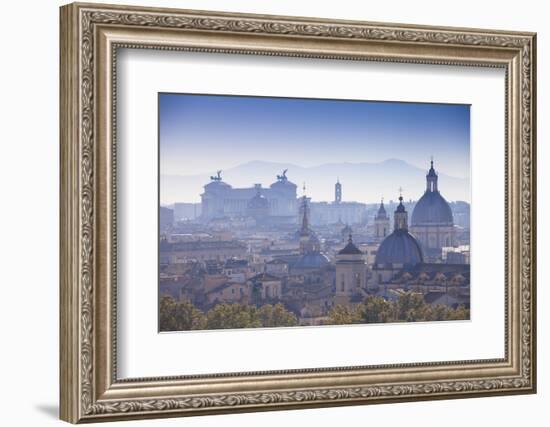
351,274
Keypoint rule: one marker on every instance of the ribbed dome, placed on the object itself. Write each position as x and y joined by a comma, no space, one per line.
312,260
350,249
400,247
432,208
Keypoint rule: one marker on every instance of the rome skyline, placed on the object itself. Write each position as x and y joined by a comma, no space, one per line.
277,219
390,175
251,139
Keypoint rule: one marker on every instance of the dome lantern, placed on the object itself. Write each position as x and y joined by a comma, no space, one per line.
431,178
432,208
400,217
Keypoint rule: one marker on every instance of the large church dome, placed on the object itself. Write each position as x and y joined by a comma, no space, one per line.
400,247
432,208
314,261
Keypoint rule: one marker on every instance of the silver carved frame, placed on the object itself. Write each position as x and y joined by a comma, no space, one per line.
90,36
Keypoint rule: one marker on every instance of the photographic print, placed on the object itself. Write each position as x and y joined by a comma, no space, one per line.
286,212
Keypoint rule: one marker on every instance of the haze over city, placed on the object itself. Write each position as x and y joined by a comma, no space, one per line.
363,182
373,147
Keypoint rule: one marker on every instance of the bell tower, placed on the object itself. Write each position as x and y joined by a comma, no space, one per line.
337,191
351,273
381,222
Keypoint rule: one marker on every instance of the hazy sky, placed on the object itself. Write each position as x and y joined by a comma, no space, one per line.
202,133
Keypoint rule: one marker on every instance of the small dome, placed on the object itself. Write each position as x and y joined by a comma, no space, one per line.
400,247
432,208
313,260
350,249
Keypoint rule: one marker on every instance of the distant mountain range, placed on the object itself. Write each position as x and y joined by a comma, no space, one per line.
361,182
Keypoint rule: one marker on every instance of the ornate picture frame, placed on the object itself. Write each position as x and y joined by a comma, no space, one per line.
90,37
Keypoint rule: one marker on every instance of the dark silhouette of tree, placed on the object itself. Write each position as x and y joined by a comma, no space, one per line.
180,316
343,315
408,307
232,316
377,309
276,315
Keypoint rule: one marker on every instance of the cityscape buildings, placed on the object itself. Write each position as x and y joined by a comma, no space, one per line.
265,245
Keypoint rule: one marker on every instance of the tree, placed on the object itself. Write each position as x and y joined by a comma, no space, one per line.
342,315
460,313
276,315
408,307
233,316
376,309
411,307
437,312
179,316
